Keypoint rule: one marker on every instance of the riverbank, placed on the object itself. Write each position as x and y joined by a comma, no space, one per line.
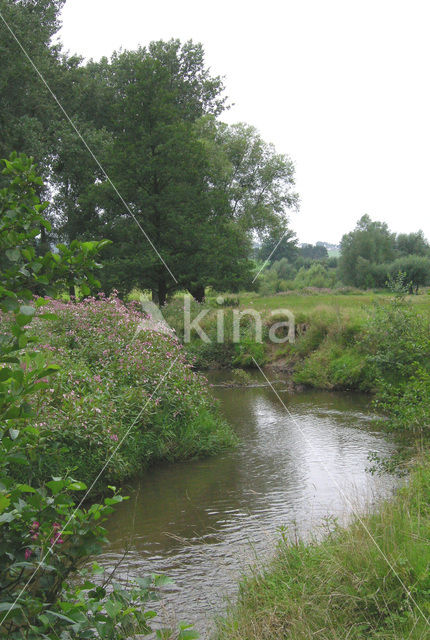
330,350
218,514
370,580
124,398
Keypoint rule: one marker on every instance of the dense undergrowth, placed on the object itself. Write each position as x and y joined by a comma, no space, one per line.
334,342
118,384
84,398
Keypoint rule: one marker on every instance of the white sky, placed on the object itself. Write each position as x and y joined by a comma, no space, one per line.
341,86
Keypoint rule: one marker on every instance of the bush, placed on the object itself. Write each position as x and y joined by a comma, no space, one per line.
316,276
396,339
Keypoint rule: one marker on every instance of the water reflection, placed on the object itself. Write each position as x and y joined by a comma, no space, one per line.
201,522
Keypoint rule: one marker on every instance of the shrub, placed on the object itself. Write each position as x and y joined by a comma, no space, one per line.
396,339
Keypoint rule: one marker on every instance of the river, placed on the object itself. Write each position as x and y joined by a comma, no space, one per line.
204,522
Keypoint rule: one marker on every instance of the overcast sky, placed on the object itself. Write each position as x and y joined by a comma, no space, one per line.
340,86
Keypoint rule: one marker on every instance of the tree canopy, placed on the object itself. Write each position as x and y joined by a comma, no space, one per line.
181,195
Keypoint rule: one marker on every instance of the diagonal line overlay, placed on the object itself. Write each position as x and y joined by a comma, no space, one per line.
92,485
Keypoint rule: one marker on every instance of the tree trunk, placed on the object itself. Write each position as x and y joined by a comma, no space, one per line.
159,293
198,293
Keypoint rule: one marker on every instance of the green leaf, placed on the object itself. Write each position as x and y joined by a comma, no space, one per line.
25,488
56,486
5,373
4,503
77,486
22,319
186,632
9,606
7,517
60,616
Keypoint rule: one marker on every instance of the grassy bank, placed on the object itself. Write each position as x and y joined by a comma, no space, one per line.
330,350
344,587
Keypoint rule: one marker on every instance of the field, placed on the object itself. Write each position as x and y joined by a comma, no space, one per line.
330,327
357,302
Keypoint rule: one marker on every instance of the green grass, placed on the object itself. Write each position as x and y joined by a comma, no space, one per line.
298,303
343,587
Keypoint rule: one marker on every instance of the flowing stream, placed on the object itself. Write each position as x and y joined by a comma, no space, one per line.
205,522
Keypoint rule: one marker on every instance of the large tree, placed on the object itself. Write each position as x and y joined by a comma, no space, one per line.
253,186
257,181
158,165
412,244
182,195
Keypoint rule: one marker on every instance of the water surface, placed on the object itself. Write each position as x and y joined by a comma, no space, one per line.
203,522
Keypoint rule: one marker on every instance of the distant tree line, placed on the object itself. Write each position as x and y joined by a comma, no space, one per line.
371,255
181,194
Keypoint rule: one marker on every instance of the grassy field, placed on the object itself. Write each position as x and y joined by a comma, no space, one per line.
310,302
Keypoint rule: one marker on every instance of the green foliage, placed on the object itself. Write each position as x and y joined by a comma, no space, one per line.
412,244
416,271
370,243
316,276
317,252
45,532
28,114
197,188
248,352
372,255
396,340
240,376
119,384
330,355
408,406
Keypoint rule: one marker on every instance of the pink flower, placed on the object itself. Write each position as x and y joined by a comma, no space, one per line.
28,553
